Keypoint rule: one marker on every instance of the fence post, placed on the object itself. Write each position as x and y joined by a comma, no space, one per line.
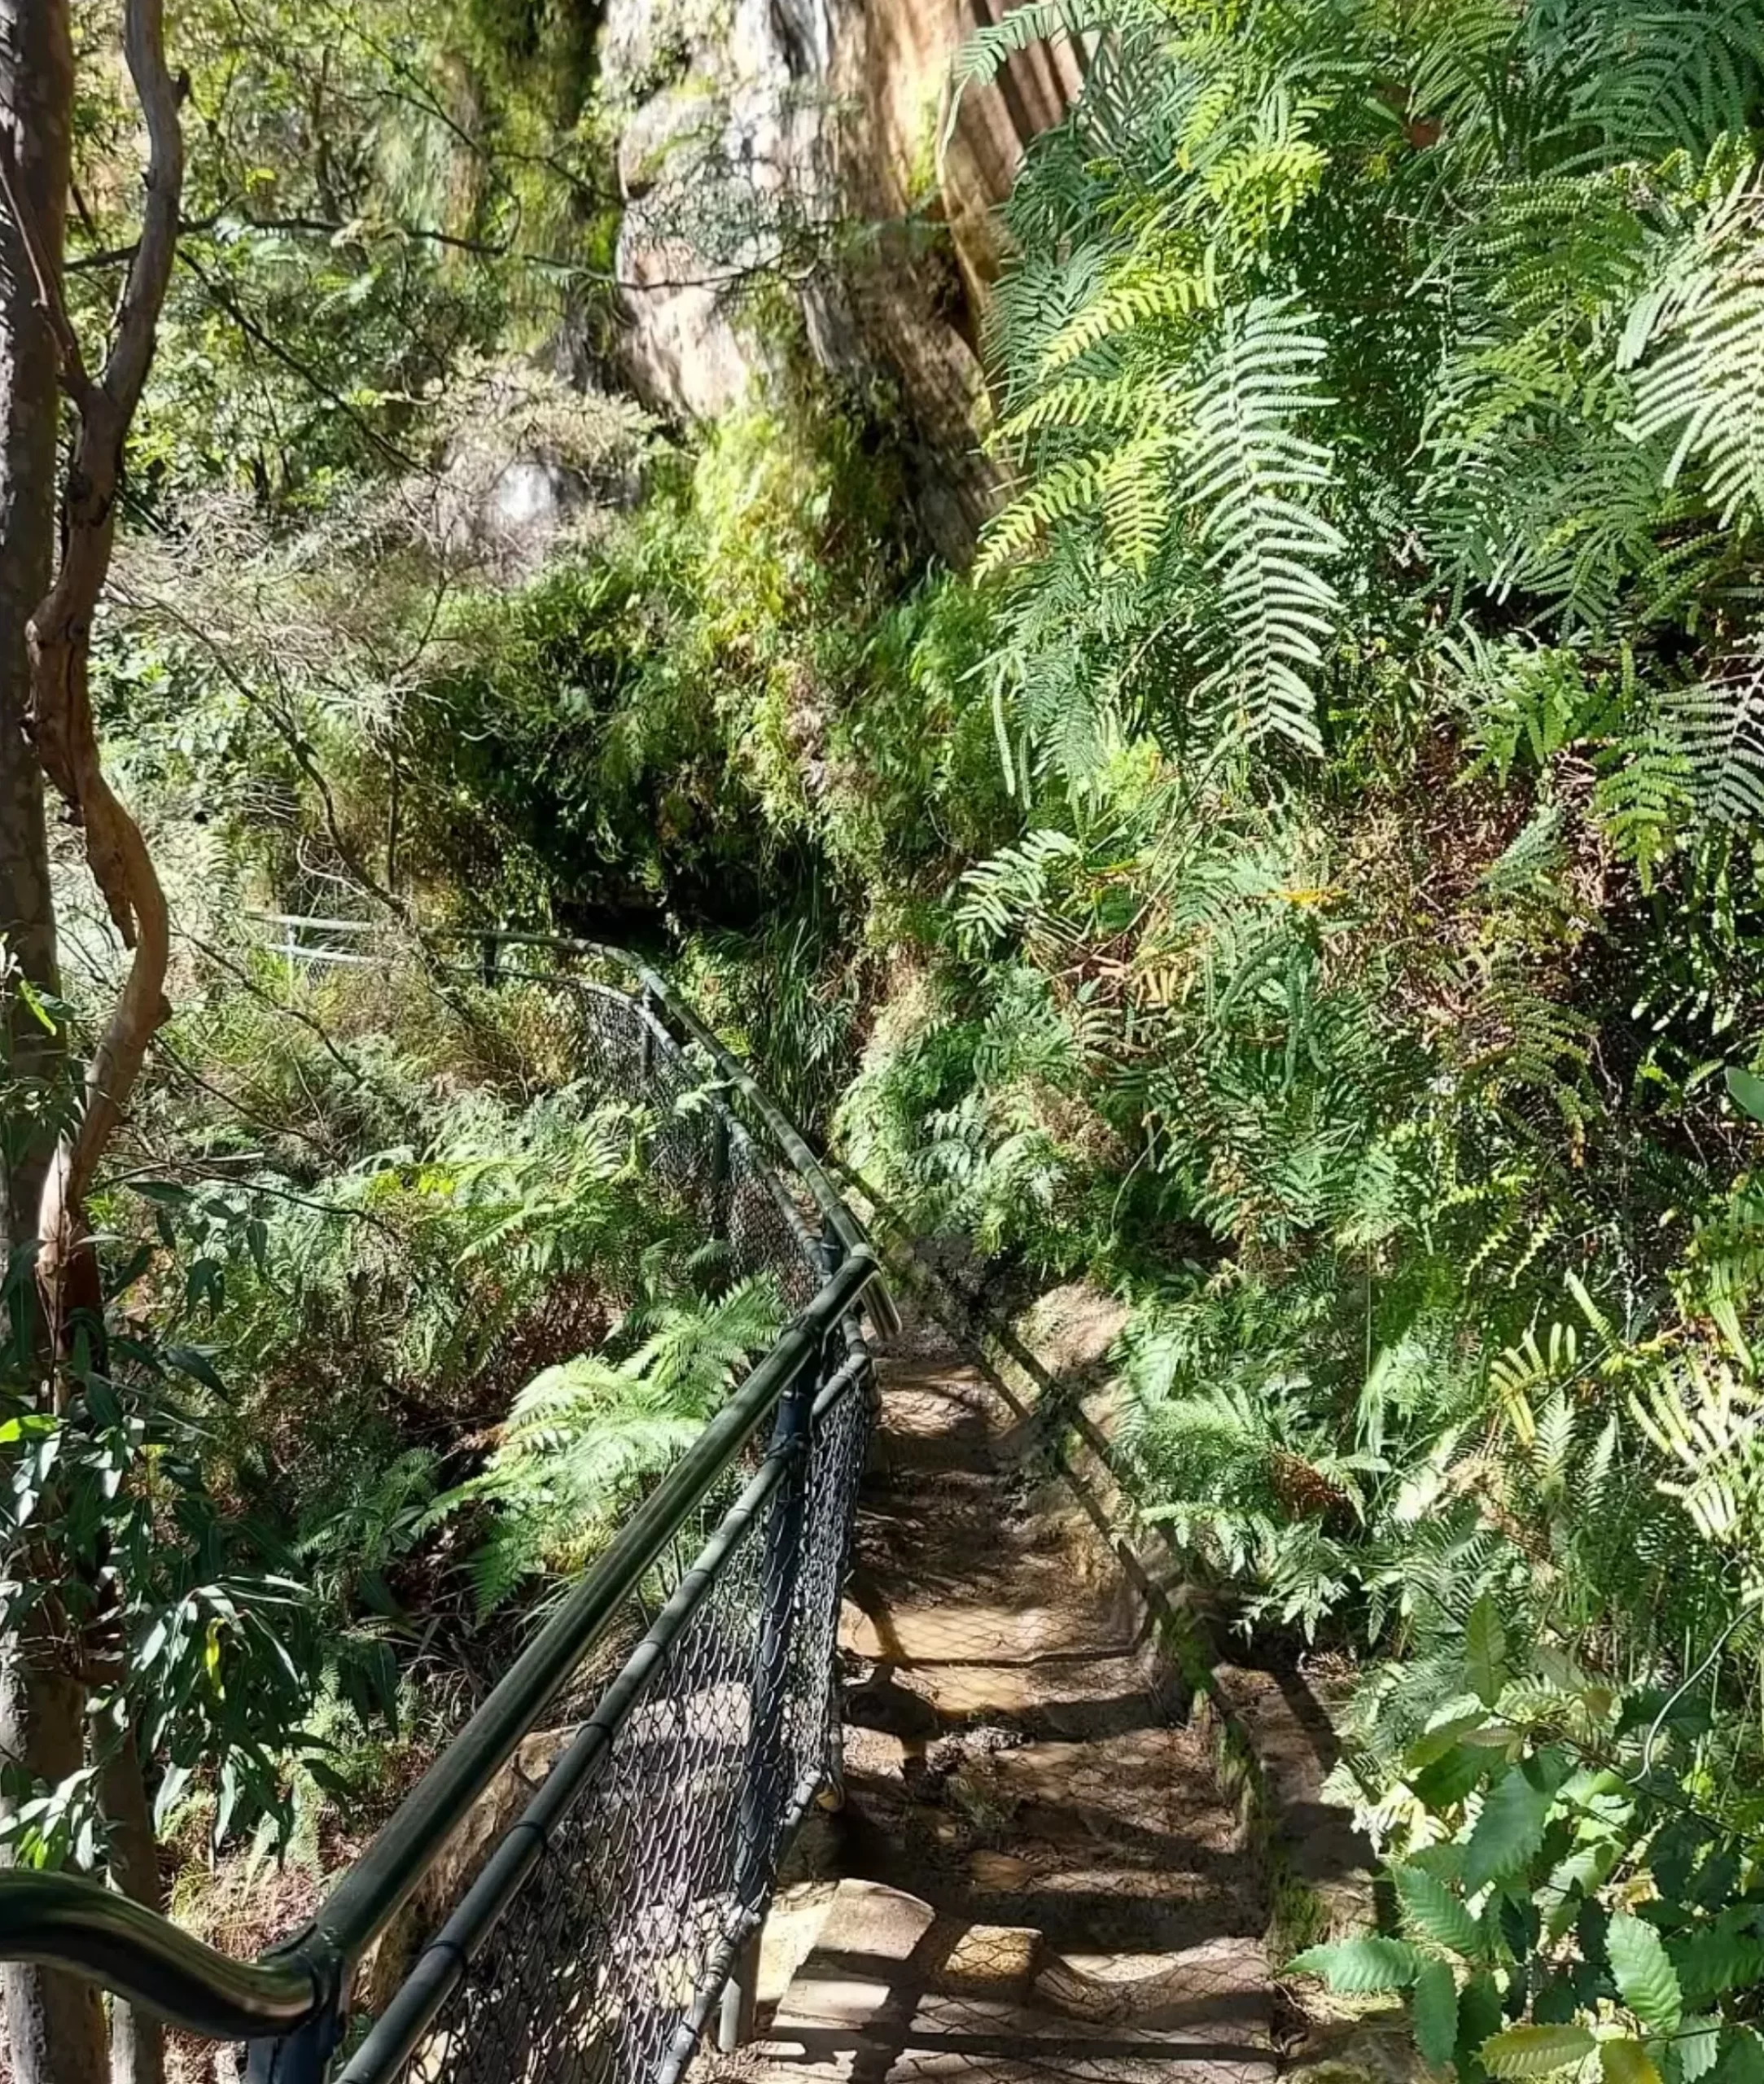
490,957
647,1015
717,1169
302,2057
741,1993
763,1793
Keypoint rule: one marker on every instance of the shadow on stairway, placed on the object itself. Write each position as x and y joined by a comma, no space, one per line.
1042,1878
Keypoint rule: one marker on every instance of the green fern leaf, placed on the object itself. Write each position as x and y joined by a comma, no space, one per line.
1718,725
1710,1963
1149,292
1710,392
1068,489
1431,1909
1357,1967
1021,28
1256,481
1507,1833
1435,2013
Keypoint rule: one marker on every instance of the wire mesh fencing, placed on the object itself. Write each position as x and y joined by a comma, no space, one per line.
595,1940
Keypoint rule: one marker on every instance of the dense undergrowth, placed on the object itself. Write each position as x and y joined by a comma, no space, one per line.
1368,990
1307,878
401,1324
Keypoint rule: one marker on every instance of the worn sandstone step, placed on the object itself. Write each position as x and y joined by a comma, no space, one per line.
1054,1887
892,1993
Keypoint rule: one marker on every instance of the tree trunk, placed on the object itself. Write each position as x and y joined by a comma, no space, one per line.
137,2039
54,2025
36,81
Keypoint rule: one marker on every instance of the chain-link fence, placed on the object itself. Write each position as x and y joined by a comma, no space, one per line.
595,1940
653,1842
667,1727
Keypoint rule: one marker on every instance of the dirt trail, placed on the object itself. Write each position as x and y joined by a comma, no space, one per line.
1045,1881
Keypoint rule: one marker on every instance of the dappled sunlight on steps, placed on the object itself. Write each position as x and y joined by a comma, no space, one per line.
893,1991
1052,1884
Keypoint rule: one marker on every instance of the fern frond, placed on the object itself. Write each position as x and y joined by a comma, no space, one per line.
1103,404
1701,386
1068,489
1255,480
1144,294
1717,726
1012,886
1653,79
1704,1422
991,47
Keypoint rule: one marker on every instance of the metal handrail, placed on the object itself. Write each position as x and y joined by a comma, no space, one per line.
78,1924
399,2030
69,1921
372,1890
813,1174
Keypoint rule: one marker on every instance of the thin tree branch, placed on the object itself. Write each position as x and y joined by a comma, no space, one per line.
248,326
330,228
184,1069
243,978
192,1170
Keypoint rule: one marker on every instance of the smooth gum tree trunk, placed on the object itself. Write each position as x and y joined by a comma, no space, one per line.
54,2026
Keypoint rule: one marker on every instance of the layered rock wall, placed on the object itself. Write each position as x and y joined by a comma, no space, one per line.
808,145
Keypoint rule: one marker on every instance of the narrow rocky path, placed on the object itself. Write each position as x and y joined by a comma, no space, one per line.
1044,1881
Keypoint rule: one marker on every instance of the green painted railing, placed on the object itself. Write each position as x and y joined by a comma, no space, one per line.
616,1912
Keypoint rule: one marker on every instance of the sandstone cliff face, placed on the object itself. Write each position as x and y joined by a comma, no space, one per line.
803,143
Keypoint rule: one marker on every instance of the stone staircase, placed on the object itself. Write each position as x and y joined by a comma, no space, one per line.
1042,1881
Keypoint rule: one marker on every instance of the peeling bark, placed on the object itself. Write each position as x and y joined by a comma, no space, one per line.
36,89
60,639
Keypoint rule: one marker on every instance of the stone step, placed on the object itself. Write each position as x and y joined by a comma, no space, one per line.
893,1994
1015,1628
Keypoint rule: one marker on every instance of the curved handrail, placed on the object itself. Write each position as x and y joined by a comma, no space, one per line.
70,1921
77,1923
